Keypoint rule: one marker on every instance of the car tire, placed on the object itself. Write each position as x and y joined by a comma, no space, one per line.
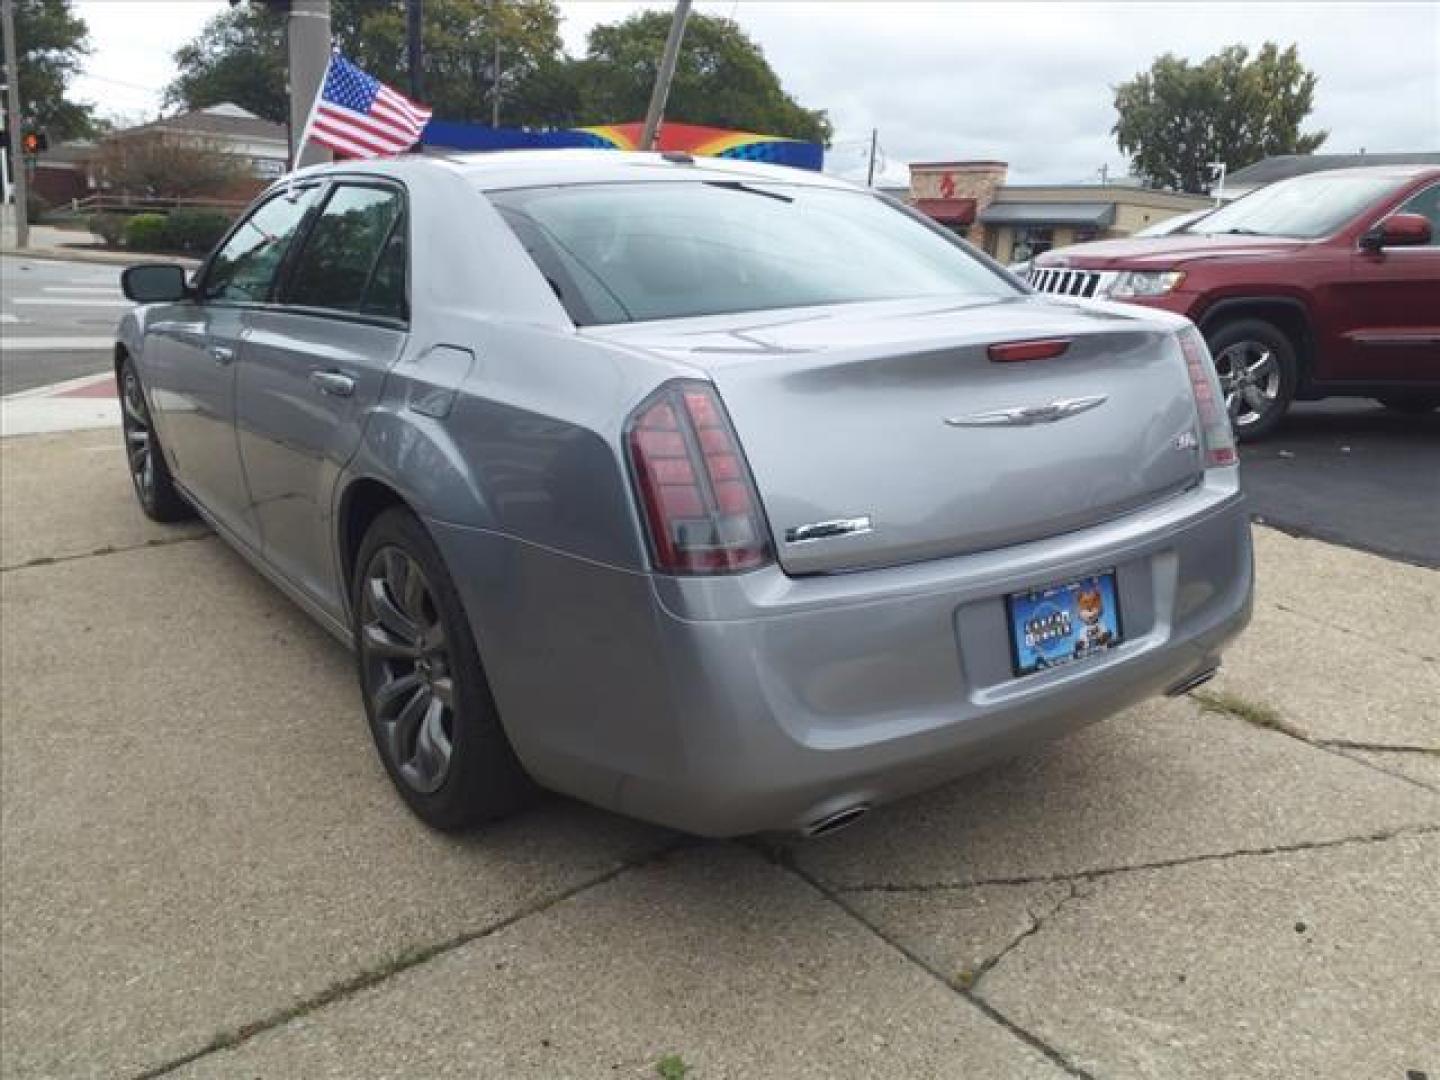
427,700
1411,404
144,459
1258,374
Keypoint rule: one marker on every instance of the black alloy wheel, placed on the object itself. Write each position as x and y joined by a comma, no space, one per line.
144,459
431,712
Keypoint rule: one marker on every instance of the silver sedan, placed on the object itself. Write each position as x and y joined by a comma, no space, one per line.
722,495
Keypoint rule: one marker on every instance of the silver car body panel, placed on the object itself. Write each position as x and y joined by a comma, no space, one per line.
866,663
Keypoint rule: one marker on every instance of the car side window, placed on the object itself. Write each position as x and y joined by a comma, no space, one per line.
1426,203
354,256
244,268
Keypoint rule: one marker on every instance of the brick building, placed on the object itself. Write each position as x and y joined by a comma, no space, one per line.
1016,222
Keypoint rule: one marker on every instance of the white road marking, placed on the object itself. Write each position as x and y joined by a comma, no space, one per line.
69,301
55,344
7,317
88,290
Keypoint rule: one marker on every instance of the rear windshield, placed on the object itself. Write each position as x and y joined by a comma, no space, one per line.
1305,207
633,252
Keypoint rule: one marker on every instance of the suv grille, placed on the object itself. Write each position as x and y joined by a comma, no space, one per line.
1067,282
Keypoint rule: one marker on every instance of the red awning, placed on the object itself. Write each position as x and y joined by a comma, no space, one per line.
948,211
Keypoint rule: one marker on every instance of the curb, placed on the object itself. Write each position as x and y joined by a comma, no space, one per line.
89,401
103,258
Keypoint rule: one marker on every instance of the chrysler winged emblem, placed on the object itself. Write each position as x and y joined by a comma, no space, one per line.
1024,415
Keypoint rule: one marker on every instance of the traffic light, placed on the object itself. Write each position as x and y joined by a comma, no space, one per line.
34,142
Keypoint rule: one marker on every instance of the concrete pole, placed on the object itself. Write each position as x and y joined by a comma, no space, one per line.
663,77
414,48
495,67
12,121
870,172
309,45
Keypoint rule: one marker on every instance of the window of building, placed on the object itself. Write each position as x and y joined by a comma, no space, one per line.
1031,241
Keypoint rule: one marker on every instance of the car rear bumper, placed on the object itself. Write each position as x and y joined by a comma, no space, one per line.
725,706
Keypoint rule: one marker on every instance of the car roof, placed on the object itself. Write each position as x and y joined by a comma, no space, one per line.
506,169
1398,172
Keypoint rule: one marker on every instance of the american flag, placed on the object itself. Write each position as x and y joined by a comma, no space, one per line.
360,117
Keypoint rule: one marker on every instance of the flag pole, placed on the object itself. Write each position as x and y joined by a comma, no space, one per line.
314,107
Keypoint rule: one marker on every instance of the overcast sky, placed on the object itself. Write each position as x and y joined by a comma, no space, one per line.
1026,83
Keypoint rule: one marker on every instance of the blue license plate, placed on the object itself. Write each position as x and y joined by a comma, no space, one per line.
1063,623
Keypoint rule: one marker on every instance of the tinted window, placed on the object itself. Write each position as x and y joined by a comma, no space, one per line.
1306,206
623,252
343,251
244,268
1426,203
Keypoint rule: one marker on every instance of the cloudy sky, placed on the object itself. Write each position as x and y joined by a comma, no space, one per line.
1027,83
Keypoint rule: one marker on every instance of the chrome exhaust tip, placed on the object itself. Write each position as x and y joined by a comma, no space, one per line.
831,823
1193,682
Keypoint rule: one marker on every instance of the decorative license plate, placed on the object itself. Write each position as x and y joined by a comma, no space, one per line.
1061,623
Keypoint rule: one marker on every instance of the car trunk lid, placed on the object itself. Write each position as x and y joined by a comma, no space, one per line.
880,434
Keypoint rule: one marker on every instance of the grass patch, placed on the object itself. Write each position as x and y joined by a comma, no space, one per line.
671,1067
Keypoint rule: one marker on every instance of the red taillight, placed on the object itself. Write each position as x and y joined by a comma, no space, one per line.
700,505
1216,435
1013,352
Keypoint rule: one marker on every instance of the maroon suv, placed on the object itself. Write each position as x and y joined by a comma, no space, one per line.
1318,286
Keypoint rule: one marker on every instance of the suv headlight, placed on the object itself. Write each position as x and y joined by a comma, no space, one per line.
1132,283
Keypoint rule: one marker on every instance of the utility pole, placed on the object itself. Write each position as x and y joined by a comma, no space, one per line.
495,64
664,76
870,173
309,46
414,52
12,121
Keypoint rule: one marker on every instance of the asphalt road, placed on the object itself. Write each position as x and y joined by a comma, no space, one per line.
1345,471
1351,472
57,320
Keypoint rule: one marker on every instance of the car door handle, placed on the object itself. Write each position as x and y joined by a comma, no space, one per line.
335,383
221,354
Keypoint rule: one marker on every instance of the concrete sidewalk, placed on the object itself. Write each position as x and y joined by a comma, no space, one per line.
206,872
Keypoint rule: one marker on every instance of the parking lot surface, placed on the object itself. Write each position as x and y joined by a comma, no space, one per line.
206,872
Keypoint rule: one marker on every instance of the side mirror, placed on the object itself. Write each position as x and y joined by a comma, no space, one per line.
1398,230
154,283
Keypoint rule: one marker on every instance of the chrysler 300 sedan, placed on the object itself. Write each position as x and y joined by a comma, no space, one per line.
726,496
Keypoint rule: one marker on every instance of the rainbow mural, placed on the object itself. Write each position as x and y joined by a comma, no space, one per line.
688,138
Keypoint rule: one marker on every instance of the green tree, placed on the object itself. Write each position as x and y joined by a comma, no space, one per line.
240,56
51,41
1178,117
722,78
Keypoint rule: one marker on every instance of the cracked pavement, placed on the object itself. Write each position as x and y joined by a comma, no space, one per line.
205,872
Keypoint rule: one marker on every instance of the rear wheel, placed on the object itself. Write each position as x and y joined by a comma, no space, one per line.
1256,365
429,705
1411,404
145,461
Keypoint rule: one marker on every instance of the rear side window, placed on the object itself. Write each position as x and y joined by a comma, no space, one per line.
354,257
630,252
244,268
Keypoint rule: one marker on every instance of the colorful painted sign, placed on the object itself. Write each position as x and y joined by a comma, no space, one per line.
689,138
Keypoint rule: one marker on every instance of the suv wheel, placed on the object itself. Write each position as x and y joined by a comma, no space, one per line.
430,709
1256,365
144,460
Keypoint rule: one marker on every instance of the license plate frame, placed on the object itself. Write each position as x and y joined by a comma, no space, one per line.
1046,629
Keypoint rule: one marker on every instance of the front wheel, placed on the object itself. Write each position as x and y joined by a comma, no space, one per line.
145,461
1256,365
429,706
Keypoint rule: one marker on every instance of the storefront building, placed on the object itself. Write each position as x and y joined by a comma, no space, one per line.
1017,222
